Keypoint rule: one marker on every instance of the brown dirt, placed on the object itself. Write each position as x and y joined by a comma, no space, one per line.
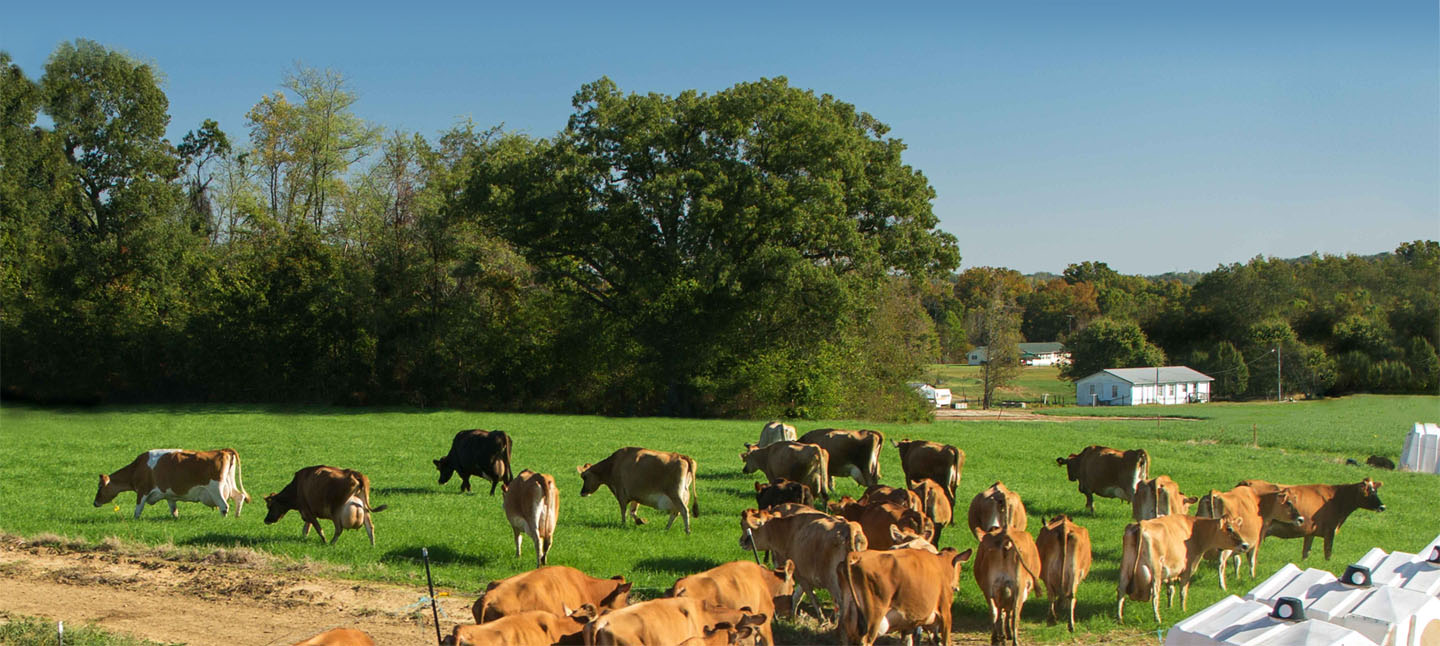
1023,415
203,603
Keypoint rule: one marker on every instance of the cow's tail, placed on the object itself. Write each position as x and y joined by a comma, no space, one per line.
239,480
505,449
360,487
824,469
1066,558
1142,576
954,480
850,567
694,487
873,469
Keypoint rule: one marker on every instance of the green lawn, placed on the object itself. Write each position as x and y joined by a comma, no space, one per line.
50,459
1032,385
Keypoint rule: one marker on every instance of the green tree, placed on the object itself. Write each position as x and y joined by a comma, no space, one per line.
703,228
996,325
1107,343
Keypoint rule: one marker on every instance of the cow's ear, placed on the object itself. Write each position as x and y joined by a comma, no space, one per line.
584,614
752,618
505,488
1190,500
104,480
962,557
1375,484
582,468
759,487
1060,461
1237,521
437,463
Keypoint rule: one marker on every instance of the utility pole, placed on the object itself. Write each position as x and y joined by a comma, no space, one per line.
1277,372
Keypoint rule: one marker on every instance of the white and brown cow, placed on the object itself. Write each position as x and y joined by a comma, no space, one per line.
341,495
1007,567
899,591
1107,472
208,477
532,504
852,453
637,476
794,461
815,541
1166,551
996,508
1064,562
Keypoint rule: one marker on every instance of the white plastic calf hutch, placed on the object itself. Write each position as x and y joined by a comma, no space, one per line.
1422,449
1236,622
1417,572
1386,615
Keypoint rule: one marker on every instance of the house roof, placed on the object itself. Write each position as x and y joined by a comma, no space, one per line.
1147,376
1027,349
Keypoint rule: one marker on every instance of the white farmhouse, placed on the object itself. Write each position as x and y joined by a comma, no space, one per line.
1050,353
1133,386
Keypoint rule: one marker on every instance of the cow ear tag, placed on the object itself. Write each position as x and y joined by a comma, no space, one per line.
1357,575
1289,609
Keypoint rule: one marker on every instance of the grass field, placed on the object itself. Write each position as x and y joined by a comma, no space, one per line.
17,630
50,458
1032,384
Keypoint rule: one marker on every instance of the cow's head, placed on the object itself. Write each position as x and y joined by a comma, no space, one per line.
1286,511
275,509
107,491
751,522
1230,537
1070,464
1370,495
618,597
955,560
749,458
591,480
443,465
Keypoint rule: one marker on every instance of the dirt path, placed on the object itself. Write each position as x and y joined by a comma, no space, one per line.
1022,415
200,603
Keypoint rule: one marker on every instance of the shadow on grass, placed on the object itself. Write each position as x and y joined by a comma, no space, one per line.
685,564
725,475
439,554
224,539
400,491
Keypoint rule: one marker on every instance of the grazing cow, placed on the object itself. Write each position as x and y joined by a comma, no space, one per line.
1157,497
552,588
742,584
667,621
1166,550
1324,508
852,453
637,476
782,491
1064,562
938,462
877,519
886,493
1007,567
794,461
899,591
173,475
776,432
1256,511
995,508
1107,472
532,503
341,495
818,543
477,453
531,628
934,503
339,637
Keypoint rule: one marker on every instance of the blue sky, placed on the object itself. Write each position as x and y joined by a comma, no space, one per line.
1154,136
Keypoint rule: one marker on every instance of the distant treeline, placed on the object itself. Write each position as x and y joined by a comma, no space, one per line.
761,251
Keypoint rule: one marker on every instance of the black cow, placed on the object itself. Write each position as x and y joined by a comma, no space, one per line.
477,453
782,491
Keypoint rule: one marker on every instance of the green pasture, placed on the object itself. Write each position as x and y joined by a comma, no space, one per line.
50,459
20,630
1031,385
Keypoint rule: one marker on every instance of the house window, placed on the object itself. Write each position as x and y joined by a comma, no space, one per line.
1092,389
1114,391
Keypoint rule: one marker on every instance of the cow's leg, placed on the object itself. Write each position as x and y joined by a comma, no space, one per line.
319,532
1224,560
1329,542
519,538
369,529
1089,502
465,482
139,507
634,508
1155,595
338,529
1120,606
174,510
1254,556
1185,596
996,628
1053,601
1071,623
1305,547
493,483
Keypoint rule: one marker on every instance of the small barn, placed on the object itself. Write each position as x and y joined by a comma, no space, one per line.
1135,386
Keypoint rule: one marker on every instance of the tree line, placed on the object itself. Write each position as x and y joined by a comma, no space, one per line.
760,251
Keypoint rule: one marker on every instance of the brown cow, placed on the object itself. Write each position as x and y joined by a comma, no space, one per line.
531,628
1157,497
1106,472
553,588
341,495
637,476
995,508
794,461
173,475
1166,550
877,519
886,493
1007,568
899,591
1256,511
768,495
934,503
816,542
532,504
1064,562
723,634
1324,508
742,584
667,621
852,453
938,462
339,637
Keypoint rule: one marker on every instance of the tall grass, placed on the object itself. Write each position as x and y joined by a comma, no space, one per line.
50,460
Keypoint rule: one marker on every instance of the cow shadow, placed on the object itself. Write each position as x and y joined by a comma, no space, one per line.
438,554
725,475
686,564
225,539
400,491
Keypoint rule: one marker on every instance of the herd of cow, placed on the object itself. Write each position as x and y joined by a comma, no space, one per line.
876,556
